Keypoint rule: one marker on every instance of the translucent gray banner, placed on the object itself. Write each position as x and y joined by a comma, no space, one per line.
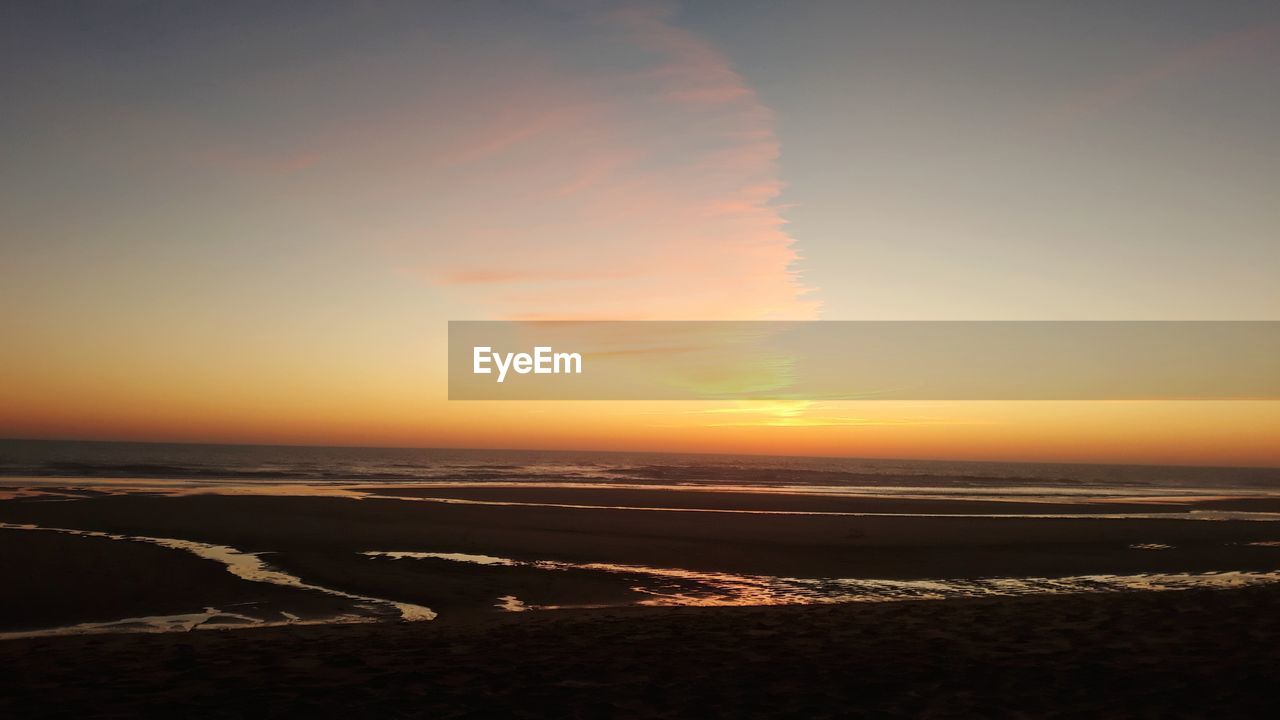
863,360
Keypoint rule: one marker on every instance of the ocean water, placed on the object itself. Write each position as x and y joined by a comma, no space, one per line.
338,465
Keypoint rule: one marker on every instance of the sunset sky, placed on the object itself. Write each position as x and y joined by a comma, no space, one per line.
250,222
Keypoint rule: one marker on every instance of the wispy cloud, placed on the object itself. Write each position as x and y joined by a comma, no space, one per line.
644,188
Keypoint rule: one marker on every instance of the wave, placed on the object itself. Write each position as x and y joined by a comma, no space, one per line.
249,463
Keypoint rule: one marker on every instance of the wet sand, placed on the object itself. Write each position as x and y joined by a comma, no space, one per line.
785,545
322,540
460,590
1172,654
53,580
800,502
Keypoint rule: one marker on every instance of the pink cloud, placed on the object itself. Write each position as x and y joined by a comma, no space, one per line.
607,164
641,191
511,277
620,169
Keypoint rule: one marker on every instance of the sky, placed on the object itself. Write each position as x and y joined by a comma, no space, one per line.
249,222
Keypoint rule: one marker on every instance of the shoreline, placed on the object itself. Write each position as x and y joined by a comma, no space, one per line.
271,598
327,556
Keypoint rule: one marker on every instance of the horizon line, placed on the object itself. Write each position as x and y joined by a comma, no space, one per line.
213,443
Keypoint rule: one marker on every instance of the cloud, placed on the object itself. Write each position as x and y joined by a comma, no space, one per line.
513,277
579,164
638,183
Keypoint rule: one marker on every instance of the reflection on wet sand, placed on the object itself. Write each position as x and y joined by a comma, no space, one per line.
674,586
1032,502
649,547
62,488
210,618
511,603
1204,515
246,566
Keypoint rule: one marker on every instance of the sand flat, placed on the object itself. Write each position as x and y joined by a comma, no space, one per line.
798,502
1175,654
54,579
1194,652
799,545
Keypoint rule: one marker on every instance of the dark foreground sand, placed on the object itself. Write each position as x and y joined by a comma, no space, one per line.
51,580
58,579
1175,654
1193,653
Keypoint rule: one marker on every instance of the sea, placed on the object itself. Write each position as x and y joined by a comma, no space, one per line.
242,464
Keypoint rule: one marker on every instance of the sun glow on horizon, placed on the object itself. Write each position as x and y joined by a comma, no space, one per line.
246,232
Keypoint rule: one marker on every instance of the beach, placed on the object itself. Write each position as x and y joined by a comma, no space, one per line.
603,587
324,540
1176,654
591,546
640,359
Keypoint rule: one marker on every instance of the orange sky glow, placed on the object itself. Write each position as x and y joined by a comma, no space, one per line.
209,252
